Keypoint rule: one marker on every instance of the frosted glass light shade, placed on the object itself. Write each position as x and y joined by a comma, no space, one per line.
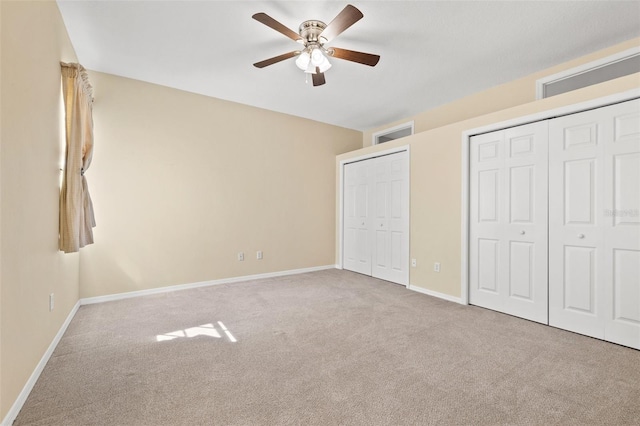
325,65
310,68
309,62
303,61
317,57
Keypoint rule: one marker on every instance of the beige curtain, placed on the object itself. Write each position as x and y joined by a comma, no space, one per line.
76,209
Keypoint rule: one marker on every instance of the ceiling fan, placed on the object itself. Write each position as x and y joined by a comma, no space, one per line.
313,34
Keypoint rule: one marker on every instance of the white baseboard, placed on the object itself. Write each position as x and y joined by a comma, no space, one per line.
436,294
130,294
26,390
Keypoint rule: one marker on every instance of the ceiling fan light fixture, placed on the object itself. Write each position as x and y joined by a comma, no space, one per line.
303,61
317,57
319,61
325,65
311,69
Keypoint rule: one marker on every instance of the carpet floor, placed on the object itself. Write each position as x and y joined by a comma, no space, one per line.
325,348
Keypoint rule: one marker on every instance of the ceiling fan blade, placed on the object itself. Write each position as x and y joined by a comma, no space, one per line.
353,56
276,59
318,78
349,16
272,23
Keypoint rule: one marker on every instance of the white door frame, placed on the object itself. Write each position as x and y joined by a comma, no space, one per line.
341,196
466,137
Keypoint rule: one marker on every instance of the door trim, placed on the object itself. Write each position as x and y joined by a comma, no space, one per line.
466,138
342,163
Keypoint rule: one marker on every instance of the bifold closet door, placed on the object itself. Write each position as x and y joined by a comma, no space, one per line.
594,219
376,217
508,221
390,256
622,224
357,195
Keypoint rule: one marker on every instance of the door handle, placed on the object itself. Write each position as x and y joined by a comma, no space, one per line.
581,236
362,223
521,232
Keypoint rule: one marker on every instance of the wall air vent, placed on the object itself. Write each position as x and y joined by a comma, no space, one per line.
393,133
614,66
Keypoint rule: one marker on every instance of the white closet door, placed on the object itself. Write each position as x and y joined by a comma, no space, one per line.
391,218
576,209
622,223
594,252
376,217
487,234
357,217
508,221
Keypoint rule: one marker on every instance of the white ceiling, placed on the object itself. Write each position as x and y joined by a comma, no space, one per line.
432,52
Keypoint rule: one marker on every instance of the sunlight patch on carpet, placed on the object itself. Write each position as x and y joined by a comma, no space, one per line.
201,330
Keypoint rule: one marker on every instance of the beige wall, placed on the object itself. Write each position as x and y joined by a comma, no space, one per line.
517,92
181,183
34,40
436,170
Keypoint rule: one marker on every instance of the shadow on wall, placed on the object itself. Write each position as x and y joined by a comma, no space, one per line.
118,268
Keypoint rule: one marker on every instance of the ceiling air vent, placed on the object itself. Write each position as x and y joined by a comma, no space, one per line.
393,133
614,66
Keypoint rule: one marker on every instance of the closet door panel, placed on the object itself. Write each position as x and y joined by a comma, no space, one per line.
487,230
594,263
576,238
487,271
356,218
391,224
508,238
621,123
579,280
526,166
521,270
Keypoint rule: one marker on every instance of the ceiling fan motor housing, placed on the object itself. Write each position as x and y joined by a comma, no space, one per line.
310,32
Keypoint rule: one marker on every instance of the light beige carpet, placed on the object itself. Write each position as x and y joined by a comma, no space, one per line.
325,348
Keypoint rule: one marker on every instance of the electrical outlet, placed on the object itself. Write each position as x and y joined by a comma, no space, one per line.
436,267
51,302
414,262
240,256
259,254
